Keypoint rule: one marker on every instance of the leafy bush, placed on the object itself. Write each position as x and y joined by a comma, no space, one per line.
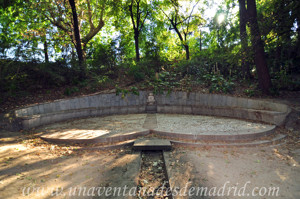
217,83
18,76
70,91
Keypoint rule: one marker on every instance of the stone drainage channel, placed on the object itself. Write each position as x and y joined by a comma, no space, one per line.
153,179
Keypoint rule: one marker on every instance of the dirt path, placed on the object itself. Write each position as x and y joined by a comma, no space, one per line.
60,171
259,170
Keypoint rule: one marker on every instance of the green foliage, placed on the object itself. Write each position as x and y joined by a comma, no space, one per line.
134,90
108,41
164,81
284,81
142,70
217,83
70,91
19,76
249,92
137,73
102,59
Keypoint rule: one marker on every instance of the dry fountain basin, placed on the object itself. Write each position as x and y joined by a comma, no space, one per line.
186,119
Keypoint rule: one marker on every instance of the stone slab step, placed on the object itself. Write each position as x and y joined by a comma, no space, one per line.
276,140
152,144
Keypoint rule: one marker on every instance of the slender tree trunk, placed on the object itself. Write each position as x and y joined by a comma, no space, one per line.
200,37
186,47
258,48
137,24
298,36
137,49
187,52
77,38
244,38
46,51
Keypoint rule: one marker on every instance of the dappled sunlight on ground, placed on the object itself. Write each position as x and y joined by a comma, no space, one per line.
238,168
29,165
91,128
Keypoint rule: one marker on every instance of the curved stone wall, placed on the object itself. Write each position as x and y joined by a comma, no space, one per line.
174,102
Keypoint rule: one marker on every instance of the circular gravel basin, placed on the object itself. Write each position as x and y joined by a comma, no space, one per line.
91,128
207,125
117,125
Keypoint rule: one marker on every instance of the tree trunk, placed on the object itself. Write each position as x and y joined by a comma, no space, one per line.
186,47
46,52
77,38
137,50
200,37
258,48
187,52
298,36
244,38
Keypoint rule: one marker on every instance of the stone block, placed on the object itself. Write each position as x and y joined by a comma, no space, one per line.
231,101
123,110
151,108
99,112
214,100
209,98
83,102
106,111
35,110
132,100
279,119
93,101
142,98
197,110
123,101
110,99
251,104
242,102
104,101
45,119
47,108
159,99
191,98
160,109
18,113
198,96
29,111
114,110
115,101
168,109
41,108
254,115
64,105
203,100
228,112
268,118
25,124
152,144
24,112
177,109
187,110
142,109
182,98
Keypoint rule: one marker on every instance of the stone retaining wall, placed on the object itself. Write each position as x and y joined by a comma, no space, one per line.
175,102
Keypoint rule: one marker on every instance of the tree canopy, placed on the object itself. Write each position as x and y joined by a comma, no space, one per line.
230,40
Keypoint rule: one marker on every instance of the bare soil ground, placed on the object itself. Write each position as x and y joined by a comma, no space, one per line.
259,170
28,163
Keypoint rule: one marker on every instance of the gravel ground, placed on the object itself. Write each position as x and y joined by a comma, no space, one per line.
198,124
90,128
